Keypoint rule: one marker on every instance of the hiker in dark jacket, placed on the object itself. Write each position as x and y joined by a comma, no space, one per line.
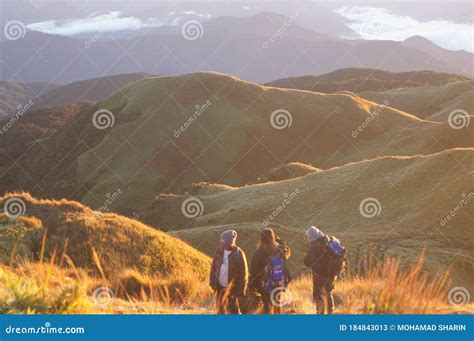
229,274
269,247
323,282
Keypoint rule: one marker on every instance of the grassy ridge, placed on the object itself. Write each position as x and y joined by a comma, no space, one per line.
89,238
415,195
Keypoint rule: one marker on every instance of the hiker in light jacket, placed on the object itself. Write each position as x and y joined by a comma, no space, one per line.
323,281
229,274
269,247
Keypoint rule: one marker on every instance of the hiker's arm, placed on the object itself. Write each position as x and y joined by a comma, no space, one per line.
285,251
212,272
244,271
310,257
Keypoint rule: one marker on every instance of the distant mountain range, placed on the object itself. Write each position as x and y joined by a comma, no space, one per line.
14,96
228,45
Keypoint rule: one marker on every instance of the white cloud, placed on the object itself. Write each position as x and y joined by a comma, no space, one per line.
111,22
376,23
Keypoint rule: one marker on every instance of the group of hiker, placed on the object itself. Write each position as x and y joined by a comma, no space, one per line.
269,275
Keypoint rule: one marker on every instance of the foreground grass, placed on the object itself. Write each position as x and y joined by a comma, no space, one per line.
46,288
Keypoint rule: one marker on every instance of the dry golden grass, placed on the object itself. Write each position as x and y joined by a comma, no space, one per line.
46,288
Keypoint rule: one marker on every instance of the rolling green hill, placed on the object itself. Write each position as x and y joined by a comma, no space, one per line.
429,102
362,79
170,132
121,244
407,200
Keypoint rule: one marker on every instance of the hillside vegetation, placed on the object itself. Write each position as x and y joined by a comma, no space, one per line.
159,144
429,102
408,198
46,268
359,79
101,243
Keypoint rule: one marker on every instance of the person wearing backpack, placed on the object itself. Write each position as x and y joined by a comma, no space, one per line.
326,258
269,275
229,274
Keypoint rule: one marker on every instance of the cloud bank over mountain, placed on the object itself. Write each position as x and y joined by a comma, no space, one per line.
376,23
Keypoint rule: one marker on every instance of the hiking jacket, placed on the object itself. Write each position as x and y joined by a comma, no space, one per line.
259,263
316,256
238,271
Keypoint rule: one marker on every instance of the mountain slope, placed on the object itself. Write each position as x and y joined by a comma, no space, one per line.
170,132
408,201
13,96
429,102
94,90
120,243
358,80
45,96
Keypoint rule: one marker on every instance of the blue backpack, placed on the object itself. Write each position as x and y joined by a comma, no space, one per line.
275,274
336,254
